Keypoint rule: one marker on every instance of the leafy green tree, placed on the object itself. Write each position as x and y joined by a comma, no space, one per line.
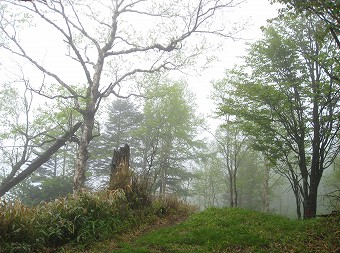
255,184
168,134
209,185
251,183
288,103
326,10
235,148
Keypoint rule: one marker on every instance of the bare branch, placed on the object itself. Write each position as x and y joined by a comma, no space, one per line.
69,35
196,21
110,88
131,5
23,54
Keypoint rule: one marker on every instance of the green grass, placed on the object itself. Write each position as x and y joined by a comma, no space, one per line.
234,230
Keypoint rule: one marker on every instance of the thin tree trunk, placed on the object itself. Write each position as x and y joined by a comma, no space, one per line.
64,162
298,204
235,189
265,192
55,166
297,192
213,193
231,190
163,182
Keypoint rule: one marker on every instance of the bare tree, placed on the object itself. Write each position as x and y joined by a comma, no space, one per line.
110,48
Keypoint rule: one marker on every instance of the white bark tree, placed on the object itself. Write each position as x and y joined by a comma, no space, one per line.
112,41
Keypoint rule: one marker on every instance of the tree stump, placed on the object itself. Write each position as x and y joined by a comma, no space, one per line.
120,174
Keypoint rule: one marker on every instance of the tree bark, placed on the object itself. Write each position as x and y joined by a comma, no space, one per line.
83,154
265,191
119,168
231,190
310,201
297,199
235,188
310,205
40,160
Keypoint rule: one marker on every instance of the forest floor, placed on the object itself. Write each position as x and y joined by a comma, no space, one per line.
227,230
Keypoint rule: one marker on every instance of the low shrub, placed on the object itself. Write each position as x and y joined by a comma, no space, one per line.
16,227
89,217
171,205
137,194
82,220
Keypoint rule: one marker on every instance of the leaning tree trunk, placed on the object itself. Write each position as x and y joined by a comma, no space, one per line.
296,191
40,160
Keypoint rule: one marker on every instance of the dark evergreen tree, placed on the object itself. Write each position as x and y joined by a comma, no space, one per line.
123,118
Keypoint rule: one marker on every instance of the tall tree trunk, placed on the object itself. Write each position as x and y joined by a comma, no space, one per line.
163,182
310,201
64,162
55,166
235,189
297,190
231,190
304,191
213,194
297,200
83,154
310,205
265,191
92,104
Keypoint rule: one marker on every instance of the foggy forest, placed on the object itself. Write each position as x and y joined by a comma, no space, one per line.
128,126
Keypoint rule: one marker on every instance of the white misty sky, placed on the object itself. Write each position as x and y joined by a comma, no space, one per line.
255,12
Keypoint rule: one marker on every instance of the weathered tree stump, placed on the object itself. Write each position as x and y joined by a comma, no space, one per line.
120,174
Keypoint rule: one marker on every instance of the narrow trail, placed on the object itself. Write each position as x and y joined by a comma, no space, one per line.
131,236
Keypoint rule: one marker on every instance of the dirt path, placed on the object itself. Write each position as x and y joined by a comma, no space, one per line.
131,236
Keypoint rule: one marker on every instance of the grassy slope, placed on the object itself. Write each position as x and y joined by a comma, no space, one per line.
234,230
